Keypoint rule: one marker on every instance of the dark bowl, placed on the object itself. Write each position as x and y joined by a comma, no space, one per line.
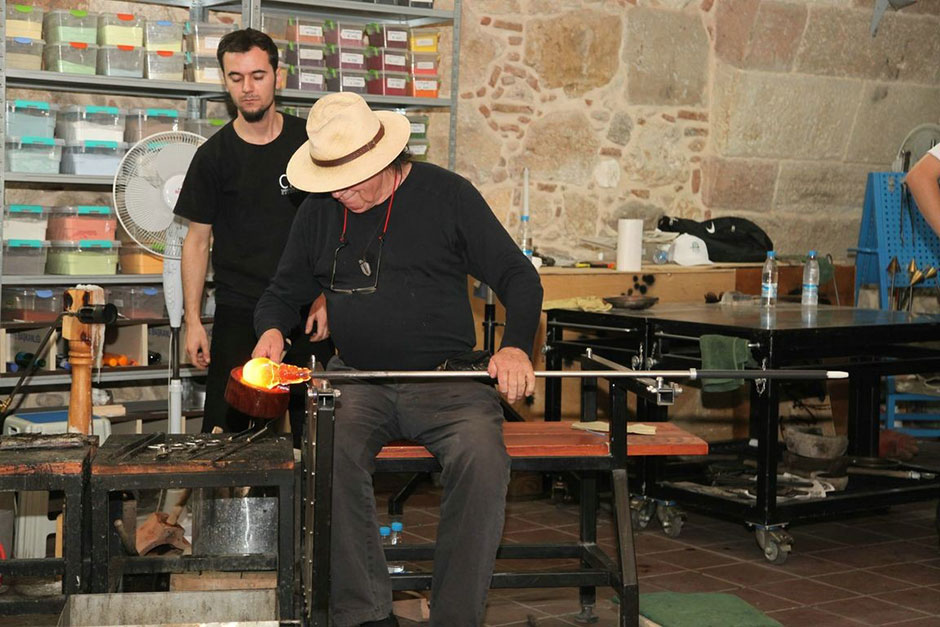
632,302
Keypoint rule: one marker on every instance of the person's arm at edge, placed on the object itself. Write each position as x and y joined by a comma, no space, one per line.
293,285
194,264
922,181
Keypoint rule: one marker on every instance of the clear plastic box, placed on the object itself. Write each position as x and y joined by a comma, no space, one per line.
30,118
387,36
24,256
120,29
62,26
34,155
298,112
74,57
386,59
418,149
419,126
352,34
24,53
135,259
304,30
305,55
422,4
23,20
165,65
207,127
332,77
203,68
353,80
76,222
78,123
92,157
163,35
145,122
307,79
82,257
424,39
425,63
25,221
137,302
274,25
387,83
352,59
125,61
29,304
424,86
203,37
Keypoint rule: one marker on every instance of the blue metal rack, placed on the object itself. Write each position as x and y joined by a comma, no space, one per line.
891,228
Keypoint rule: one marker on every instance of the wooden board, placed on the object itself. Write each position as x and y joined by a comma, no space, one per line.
558,439
60,461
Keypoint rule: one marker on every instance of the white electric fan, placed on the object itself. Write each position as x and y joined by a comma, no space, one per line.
146,187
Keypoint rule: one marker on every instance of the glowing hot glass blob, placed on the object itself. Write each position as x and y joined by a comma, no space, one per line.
263,373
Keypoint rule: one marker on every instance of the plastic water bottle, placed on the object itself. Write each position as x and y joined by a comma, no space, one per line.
768,281
391,536
524,238
660,256
810,296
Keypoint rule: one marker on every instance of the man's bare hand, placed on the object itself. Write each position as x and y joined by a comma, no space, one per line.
513,371
317,315
197,344
270,345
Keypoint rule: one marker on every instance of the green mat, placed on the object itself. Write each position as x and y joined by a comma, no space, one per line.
703,609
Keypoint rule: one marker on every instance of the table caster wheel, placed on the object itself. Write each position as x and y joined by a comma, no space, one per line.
671,518
641,511
776,544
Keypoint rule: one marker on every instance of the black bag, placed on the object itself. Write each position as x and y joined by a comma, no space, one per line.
728,239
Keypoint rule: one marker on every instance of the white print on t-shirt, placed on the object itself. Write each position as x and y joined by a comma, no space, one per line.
286,187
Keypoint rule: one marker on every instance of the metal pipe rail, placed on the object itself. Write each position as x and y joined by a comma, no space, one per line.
692,374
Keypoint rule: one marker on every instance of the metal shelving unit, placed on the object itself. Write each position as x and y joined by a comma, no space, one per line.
143,373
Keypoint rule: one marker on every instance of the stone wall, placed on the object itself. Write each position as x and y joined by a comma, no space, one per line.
772,110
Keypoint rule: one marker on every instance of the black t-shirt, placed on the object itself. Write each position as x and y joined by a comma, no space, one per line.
241,189
440,229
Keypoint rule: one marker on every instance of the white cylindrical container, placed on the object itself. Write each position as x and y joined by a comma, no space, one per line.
629,245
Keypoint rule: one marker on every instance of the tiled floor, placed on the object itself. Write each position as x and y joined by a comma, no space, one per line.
878,569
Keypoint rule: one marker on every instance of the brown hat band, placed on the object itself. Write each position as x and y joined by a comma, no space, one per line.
329,163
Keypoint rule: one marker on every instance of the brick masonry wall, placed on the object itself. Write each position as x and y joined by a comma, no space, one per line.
774,110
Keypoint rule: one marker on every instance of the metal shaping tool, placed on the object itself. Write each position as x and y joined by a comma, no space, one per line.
915,279
893,267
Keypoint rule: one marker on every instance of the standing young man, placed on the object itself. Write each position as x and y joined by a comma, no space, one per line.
237,196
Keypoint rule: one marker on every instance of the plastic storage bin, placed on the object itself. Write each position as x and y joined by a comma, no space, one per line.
63,26
424,86
203,68
424,39
353,80
25,222
24,20
203,38
305,55
75,222
419,126
424,63
332,78
207,127
163,35
387,83
331,32
274,25
82,257
92,157
137,260
24,53
120,29
164,65
387,36
125,61
422,4
74,57
138,302
24,256
36,155
352,34
80,123
418,149
30,304
145,122
307,79
386,59
304,30
30,118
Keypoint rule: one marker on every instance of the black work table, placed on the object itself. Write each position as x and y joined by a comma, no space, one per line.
868,343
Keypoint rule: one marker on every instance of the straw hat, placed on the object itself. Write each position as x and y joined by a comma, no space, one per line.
348,143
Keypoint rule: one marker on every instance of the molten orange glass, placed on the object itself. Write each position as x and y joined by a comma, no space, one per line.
261,372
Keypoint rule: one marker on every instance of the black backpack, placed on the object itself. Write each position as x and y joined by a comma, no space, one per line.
728,239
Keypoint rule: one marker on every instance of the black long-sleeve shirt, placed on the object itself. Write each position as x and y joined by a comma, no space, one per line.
440,229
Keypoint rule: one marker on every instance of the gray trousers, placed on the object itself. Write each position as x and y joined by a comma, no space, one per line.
460,422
